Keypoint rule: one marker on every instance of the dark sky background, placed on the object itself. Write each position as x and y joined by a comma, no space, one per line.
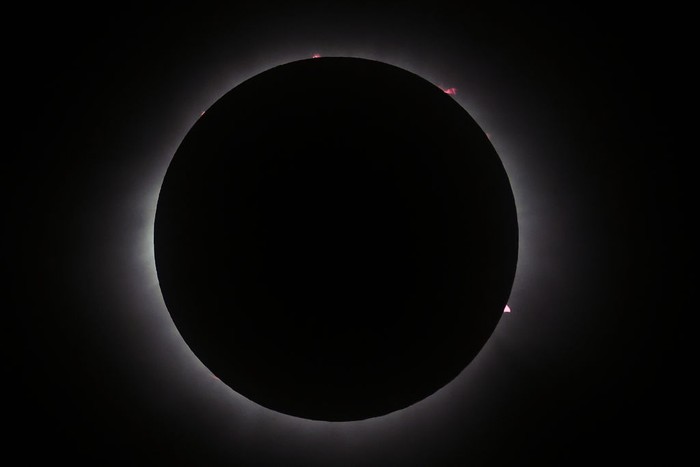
584,104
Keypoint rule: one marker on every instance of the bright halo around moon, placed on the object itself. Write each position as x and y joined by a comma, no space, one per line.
515,164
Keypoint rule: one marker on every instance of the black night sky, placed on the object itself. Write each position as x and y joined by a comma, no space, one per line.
582,105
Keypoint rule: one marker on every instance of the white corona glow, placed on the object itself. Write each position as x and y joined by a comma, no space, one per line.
242,414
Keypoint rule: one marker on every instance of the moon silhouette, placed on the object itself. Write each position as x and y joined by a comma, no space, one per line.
336,238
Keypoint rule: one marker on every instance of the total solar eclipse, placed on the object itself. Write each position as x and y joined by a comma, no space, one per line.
336,238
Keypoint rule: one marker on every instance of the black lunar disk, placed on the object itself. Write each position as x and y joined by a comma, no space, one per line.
336,238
